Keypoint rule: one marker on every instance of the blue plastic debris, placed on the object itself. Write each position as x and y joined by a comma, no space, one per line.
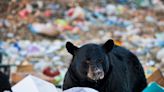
154,87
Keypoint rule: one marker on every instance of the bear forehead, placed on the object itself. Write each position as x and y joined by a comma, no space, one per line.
91,47
92,50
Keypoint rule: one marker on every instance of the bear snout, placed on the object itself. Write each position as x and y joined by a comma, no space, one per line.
98,74
95,73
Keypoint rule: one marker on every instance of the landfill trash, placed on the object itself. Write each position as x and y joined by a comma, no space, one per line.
160,36
137,25
49,72
24,13
5,23
76,13
47,29
80,89
150,19
160,55
153,75
149,71
57,80
150,63
41,65
111,9
35,50
33,84
154,87
48,13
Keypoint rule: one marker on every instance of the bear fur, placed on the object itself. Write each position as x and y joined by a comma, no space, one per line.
104,67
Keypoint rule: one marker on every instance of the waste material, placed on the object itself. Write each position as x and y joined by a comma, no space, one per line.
49,72
34,84
154,75
80,89
154,87
36,32
45,29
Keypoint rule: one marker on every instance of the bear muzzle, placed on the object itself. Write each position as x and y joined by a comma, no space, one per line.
95,74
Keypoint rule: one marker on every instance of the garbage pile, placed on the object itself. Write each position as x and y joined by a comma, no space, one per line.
34,32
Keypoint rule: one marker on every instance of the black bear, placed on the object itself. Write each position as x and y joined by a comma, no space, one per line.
4,81
104,67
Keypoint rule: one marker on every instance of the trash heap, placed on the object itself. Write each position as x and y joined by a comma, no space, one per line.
34,33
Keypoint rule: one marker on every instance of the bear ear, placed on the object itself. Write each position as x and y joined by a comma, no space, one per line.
108,45
71,48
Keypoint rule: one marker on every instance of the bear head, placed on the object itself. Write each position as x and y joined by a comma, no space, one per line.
90,61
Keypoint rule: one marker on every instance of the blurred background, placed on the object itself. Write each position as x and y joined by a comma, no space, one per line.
33,34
